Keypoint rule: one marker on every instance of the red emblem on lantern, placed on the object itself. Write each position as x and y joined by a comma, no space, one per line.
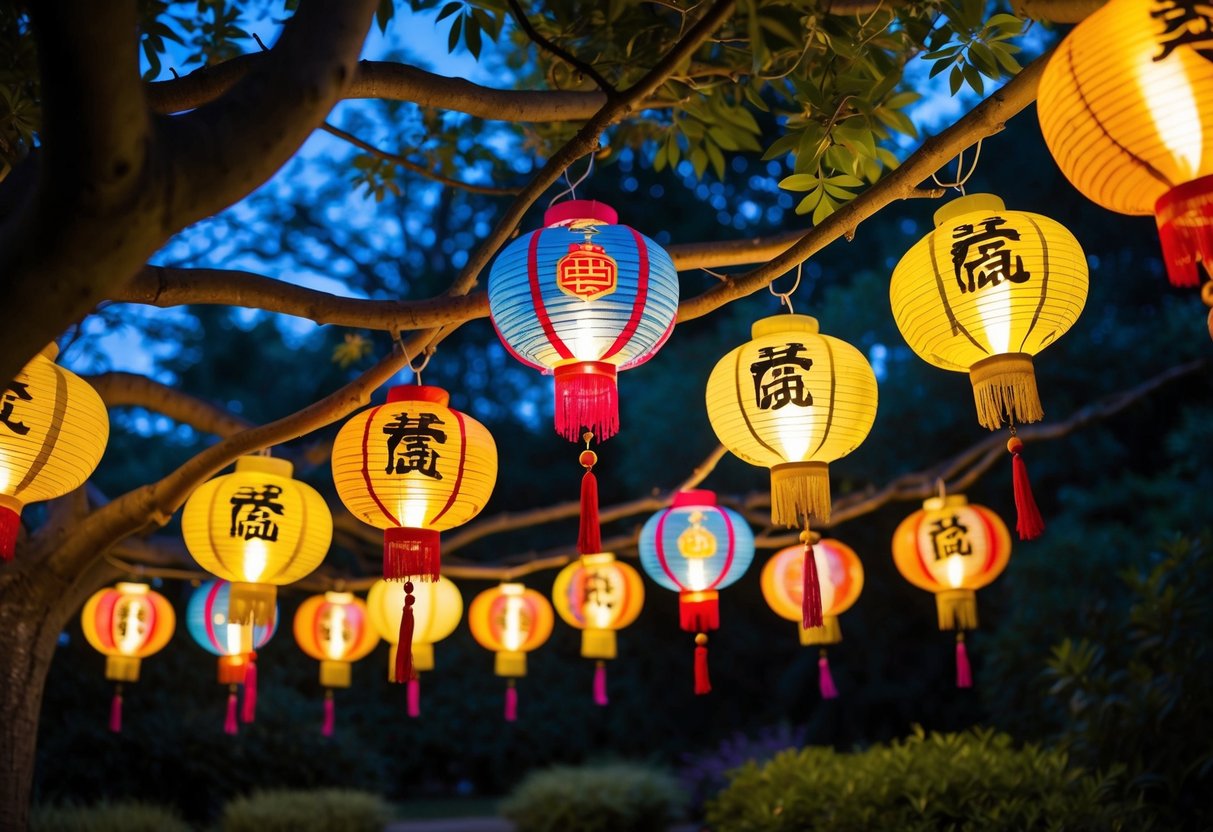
587,271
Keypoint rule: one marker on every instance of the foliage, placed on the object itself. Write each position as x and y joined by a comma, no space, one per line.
705,774
319,810
127,816
595,798
977,780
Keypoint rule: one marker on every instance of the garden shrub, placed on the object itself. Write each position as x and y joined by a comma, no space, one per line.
595,798
130,816
318,810
977,780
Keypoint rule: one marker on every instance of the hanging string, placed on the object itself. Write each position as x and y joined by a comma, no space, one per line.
785,298
961,177
428,352
571,190
939,485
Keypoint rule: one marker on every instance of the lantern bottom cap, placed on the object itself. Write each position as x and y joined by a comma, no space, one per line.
1004,390
1184,216
232,669
509,663
957,609
334,674
10,526
411,554
252,602
587,396
598,643
828,633
800,490
122,668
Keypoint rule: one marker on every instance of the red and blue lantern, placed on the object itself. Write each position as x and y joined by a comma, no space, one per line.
581,299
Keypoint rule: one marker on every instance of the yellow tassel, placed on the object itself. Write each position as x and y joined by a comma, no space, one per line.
1004,388
828,633
800,490
957,609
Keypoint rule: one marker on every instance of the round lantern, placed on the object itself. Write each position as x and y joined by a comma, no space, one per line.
209,623
126,623
510,620
583,298
335,629
258,528
437,608
53,430
598,595
696,548
1122,104
952,548
840,580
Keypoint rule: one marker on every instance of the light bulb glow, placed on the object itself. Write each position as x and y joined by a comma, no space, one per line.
411,512
994,307
232,637
795,432
255,558
512,634
696,579
132,631
334,644
1167,91
956,571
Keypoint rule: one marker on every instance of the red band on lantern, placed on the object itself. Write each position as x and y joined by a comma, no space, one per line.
563,213
10,524
1185,227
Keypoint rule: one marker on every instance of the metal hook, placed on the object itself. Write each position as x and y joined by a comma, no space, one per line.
785,298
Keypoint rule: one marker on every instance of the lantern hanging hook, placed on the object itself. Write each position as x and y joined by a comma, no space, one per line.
785,298
961,176
941,487
571,190
428,352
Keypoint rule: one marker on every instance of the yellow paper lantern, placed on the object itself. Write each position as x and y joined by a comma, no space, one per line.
335,629
53,430
436,612
510,620
1123,104
258,528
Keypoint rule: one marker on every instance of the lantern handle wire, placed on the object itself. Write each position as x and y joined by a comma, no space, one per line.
428,352
939,484
785,298
571,190
961,176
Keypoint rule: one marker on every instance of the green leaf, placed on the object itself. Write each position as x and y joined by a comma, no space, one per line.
824,208
448,10
956,80
799,182
383,15
716,157
471,35
452,40
784,144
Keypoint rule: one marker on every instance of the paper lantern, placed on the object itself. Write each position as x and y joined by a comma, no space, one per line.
696,548
53,430
126,623
583,298
209,623
258,528
952,548
335,629
984,292
598,595
510,620
841,581
1122,106
437,608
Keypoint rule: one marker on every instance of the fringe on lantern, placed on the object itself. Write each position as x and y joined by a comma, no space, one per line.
511,702
1185,228
810,600
589,533
116,711
230,726
800,492
699,611
330,715
411,553
586,400
825,679
1028,523
404,646
600,686
248,713
414,698
10,525
957,609
964,673
1004,389
703,684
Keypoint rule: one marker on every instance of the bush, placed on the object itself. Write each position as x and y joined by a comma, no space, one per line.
322,810
704,775
107,817
965,782
595,798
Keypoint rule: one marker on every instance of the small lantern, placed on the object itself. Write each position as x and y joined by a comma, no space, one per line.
437,608
598,595
126,623
1122,106
952,548
696,548
208,621
53,430
981,294
510,620
258,528
335,629
841,581
583,298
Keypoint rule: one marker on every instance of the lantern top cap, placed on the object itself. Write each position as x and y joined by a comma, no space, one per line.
566,213
694,497
598,558
950,501
784,323
256,464
511,588
50,351
339,597
128,588
418,393
968,204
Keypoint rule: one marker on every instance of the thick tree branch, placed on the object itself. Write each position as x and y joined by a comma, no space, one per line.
131,390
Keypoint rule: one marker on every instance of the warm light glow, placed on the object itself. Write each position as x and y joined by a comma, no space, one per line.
512,635
4,474
585,345
255,556
956,571
334,645
233,635
412,512
795,432
696,579
132,633
994,307
1167,91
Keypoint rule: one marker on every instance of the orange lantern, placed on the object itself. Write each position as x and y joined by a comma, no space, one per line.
598,595
126,623
841,581
335,629
437,609
952,548
510,620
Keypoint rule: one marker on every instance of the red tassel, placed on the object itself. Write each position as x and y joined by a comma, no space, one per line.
964,674
249,713
589,534
825,679
702,683
511,702
229,721
600,688
1029,523
116,711
587,397
330,715
10,524
411,553
414,697
699,611
810,601
404,647
1185,228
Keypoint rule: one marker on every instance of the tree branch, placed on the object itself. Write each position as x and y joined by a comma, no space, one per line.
130,390
563,54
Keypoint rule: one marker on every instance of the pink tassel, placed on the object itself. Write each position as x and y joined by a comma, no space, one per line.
703,684
229,722
404,646
600,687
330,715
511,702
1029,523
810,606
587,397
964,674
116,711
414,697
825,679
249,713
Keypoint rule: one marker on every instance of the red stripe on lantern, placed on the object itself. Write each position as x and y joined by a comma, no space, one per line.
638,302
541,311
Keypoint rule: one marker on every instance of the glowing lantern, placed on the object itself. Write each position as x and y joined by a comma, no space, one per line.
598,595
258,528
413,467
53,430
436,612
583,298
841,581
510,620
126,623
1122,105
984,292
952,548
696,548
335,629
208,621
